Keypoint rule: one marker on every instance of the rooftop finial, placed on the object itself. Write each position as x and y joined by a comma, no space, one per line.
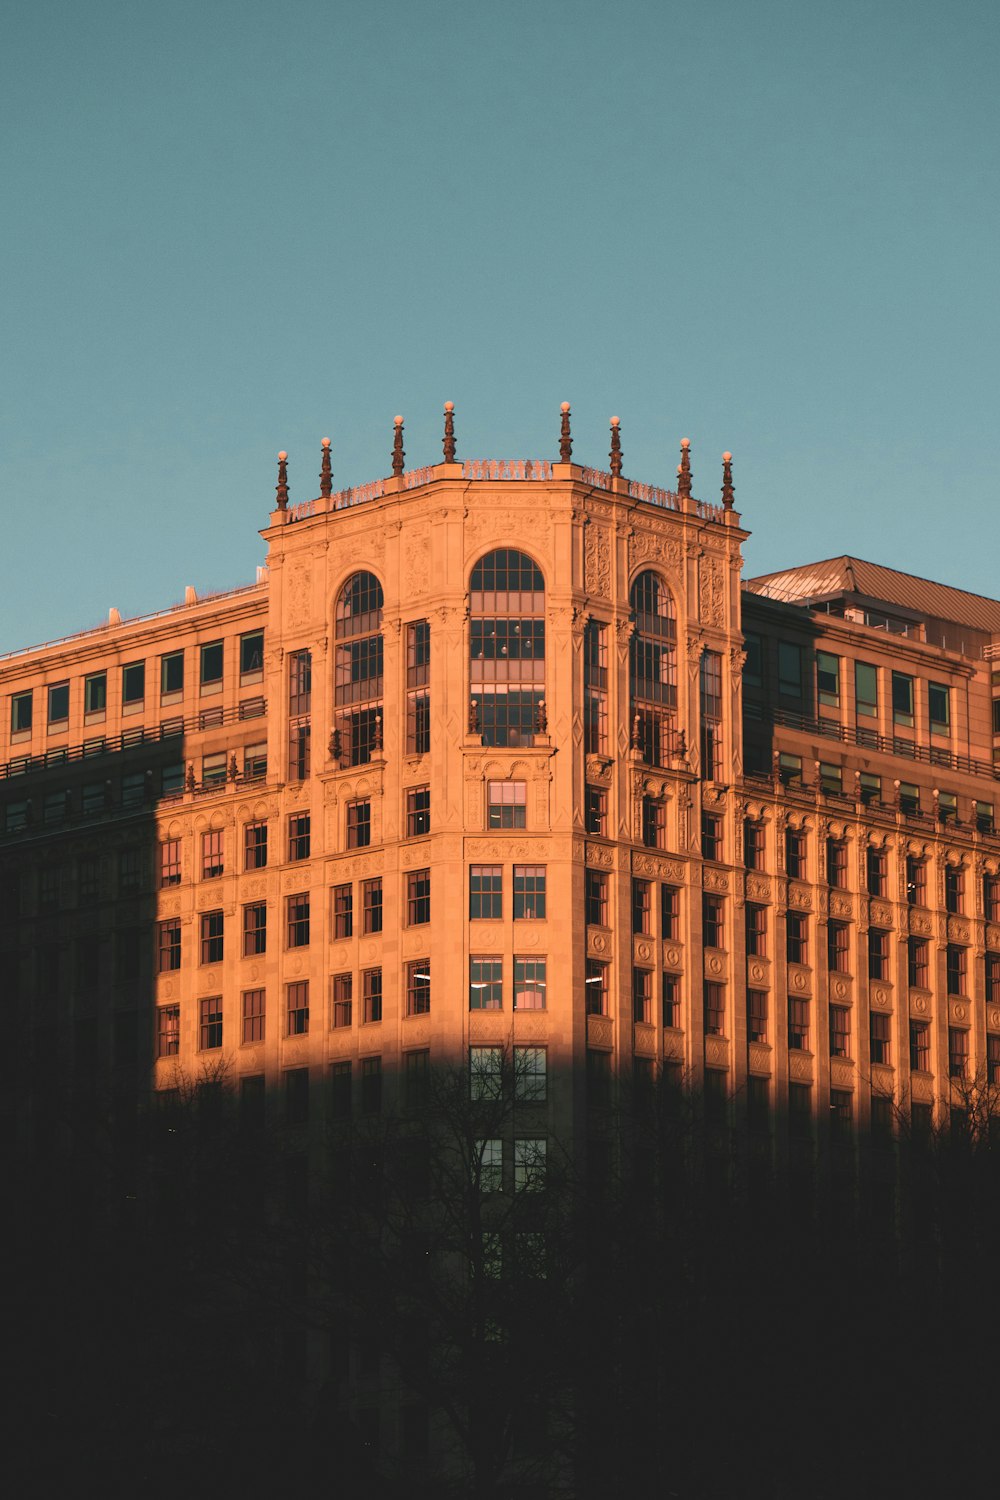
449,432
325,473
281,488
616,447
728,493
397,447
684,470
565,440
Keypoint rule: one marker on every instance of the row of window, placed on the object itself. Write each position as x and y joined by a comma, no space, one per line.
829,684
211,662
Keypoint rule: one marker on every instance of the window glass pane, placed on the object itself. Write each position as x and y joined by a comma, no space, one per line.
59,703
865,690
172,673
211,662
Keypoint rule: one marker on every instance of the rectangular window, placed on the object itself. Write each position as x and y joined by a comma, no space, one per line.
753,844
418,987
789,670
490,1160
343,911
983,812
642,995
210,1033
880,1037
840,1031
212,858
133,683
836,864
418,811
597,811
713,924
596,898
902,699
756,919
211,664
865,690
828,679
371,1085
418,700
371,905
371,996
917,967
253,1009
171,780
529,893
340,1091
711,715
955,969
297,920
757,1015
875,871
20,713
670,913
798,1025
299,750
958,1052
297,1008
954,889
920,1046
654,823
916,881
711,836
359,824
171,676
58,704
838,938
299,683
342,997
642,906
506,803
753,667
878,953
529,983
168,1030
795,853
485,1072
416,1094
947,804
909,797
529,1165
992,1057
991,897
831,779
418,898
170,863
251,657
212,937
95,693
797,937
789,769
169,946
213,768
671,993
595,688
299,836
992,978
254,845
939,707
596,987
485,892
715,1010
485,984
529,1074
254,928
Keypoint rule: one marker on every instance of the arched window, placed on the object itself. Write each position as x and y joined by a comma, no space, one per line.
653,669
358,682
507,648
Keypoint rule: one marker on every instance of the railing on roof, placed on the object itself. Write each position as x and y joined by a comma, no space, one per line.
665,499
128,739
156,614
806,792
850,734
992,651
507,468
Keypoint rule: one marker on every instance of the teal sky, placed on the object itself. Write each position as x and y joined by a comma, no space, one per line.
229,228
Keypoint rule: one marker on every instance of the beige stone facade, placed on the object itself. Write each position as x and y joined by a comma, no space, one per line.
491,717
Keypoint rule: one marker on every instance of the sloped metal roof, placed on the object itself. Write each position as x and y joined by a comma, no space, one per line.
852,575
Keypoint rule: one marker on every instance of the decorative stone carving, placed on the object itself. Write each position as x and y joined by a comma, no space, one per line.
757,972
881,998
800,1067
644,1039
717,1051
297,594
758,888
715,880
597,561
672,958
841,906
651,546
417,555
880,914
759,1059
600,1031
712,591
919,1004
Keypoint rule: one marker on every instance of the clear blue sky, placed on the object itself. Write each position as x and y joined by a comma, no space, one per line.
231,228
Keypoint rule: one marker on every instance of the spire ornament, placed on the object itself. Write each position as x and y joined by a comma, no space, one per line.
616,448
397,447
684,470
281,488
565,440
326,473
449,432
728,493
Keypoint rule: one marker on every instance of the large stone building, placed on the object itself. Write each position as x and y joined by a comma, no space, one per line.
503,755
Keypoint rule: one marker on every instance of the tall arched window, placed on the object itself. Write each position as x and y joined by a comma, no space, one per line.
653,669
358,682
507,648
